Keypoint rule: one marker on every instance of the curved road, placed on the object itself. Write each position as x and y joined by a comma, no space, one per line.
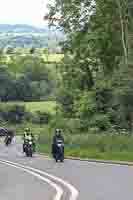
41,178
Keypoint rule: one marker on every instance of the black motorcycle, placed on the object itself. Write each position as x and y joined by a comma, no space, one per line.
28,148
59,151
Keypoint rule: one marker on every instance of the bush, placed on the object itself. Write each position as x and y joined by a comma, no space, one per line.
41,118
13,113
101,121
28,116
93,130
68,125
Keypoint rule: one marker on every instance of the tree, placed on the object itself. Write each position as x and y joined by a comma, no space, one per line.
6,84
36,71
96,45
23,89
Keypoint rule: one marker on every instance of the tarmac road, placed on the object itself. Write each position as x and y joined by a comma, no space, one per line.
71,180
21,186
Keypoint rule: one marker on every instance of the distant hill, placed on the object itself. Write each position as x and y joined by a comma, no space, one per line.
21,35
21,28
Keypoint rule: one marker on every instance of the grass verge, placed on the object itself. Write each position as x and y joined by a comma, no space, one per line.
89,154
118,148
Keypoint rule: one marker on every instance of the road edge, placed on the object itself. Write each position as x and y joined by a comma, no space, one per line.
128,163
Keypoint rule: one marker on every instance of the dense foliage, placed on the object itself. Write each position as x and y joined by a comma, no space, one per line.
96,82
25,77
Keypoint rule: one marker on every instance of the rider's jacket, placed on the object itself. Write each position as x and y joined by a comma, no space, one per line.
27,137
56,138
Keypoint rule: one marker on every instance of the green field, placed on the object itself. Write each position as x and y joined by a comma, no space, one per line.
47,57
53,57
43,106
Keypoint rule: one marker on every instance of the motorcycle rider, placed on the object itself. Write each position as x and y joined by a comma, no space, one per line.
9,136
27,137
57,136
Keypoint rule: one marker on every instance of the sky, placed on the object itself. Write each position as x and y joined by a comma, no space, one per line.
23,12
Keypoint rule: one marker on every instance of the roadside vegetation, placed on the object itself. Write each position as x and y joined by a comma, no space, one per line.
90,81
95,90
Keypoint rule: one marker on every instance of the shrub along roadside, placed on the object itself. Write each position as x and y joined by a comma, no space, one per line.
17,114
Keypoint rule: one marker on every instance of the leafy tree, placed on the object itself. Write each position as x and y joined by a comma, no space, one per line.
97,51
6,83
23,89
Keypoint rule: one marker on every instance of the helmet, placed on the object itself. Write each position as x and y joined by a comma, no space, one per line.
57,132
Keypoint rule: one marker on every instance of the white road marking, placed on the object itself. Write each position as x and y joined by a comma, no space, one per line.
59,191
71,188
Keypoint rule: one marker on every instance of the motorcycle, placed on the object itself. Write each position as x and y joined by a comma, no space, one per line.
28,148
59,154
8,140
